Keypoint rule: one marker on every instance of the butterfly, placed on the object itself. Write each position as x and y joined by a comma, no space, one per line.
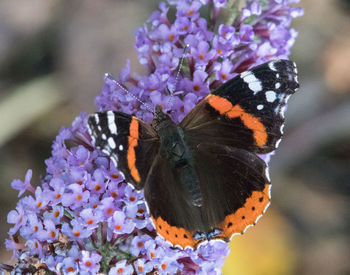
203,179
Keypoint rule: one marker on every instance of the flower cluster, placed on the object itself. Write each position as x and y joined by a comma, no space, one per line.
84,218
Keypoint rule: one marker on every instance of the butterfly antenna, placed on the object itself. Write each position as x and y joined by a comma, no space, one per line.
148,107
170,101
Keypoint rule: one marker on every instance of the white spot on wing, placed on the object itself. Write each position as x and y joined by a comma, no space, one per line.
270,96
121,147
255,87
104,137
97,119
111,122
277,85
111,143
244,74
249,78
260,107
272,66
253,83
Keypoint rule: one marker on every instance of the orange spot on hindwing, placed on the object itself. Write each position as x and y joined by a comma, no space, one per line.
224,107
131,155
247,215
177,236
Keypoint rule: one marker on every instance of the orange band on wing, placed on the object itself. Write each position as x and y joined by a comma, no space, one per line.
174,235
131,155
249,214
224,107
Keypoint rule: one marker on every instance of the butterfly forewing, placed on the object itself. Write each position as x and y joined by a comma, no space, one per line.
246,112
131,143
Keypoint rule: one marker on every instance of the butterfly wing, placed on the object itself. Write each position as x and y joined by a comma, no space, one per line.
131,143
235,187
174,216
246,112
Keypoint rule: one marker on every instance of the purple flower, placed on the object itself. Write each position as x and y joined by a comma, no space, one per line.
80,156
189,10
165,33
35,247
33,227
252,8
17,217
90,262
38,203
50,234
143,267
22,186
91,217
131,195
55,214
98,183
77,198
202,53
120,224
76,230
246,33
167,265
121,268
108,207
184,25
69,266
198,85
58,187
137,213
224,72
138,244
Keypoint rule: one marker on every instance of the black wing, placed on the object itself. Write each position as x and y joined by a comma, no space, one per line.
174,216
235,187
246,112
235,191
130,142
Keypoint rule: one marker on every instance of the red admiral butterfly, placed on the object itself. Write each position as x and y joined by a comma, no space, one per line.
202,179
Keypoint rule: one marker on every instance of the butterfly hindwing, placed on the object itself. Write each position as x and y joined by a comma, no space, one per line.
175,218
246,112
235,187
130,142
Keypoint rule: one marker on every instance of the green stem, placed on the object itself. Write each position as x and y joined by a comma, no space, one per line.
233,7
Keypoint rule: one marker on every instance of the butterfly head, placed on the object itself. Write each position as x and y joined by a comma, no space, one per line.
160,119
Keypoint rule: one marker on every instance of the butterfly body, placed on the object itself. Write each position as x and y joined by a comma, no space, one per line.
174,150
203,178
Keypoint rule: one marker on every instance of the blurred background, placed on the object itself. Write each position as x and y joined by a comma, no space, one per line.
53,55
